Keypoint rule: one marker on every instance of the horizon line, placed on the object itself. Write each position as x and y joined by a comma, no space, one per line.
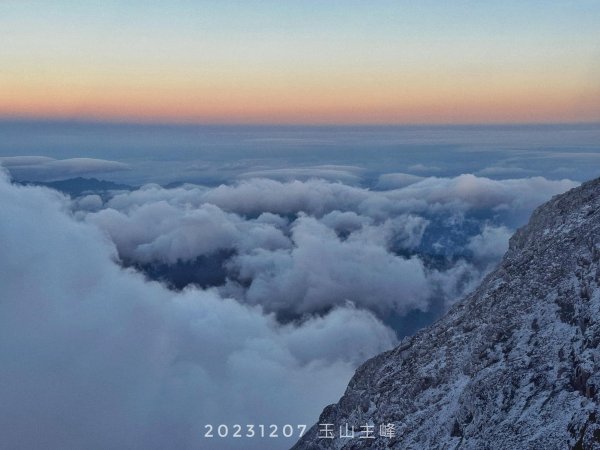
191,123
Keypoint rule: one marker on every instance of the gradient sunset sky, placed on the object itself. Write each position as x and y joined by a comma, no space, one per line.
311,61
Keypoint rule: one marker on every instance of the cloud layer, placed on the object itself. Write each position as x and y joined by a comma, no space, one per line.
95,356
43,168
306,246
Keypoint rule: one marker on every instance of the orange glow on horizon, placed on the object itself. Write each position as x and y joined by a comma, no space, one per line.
301,98
285,109
301,62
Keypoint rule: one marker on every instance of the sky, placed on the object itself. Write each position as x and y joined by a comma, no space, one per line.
309,62
240,273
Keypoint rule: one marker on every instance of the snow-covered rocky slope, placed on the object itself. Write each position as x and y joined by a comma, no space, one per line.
515,365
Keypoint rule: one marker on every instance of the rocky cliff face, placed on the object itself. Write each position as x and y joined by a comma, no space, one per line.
515,365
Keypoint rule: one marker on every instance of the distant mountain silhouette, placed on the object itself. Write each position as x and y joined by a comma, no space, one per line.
78,186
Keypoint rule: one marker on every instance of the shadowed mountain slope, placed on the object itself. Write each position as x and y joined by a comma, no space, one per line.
516,364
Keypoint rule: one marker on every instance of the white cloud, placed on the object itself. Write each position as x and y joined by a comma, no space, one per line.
42,168
318,197
472,192
322,271
92,202
396,180
314,197
491,244
303,247
94,356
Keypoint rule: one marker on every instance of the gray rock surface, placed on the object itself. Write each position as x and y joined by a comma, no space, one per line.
514,365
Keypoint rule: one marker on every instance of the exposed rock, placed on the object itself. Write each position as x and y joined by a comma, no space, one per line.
516,364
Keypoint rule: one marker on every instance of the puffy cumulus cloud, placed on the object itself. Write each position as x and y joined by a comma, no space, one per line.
456,281
92,202
188,195
428,195
469,192
305,247
95,356
345,222
322,271
316,197
491,244
319,265
161,231
41,168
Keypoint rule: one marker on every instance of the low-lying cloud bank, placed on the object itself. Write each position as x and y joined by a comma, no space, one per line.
95,356
44,168
306,246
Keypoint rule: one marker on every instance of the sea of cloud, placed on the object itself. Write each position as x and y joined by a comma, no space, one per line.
94,355
101,346
303,247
